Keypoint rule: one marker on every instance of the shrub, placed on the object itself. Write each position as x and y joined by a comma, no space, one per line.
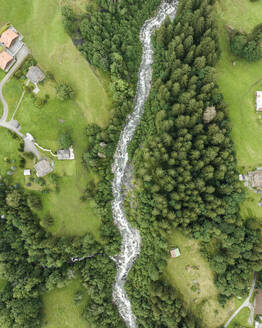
65,140
64,92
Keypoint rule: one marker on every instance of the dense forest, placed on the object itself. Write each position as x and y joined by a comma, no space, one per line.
183,157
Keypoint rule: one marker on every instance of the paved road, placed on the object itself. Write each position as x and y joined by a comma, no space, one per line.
13,125
29,146
246,303
21,55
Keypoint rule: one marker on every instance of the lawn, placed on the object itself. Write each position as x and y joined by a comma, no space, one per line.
238,84
241,320
60,311
191,275
40,22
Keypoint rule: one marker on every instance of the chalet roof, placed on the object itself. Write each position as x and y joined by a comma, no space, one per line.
63,154
256,179
43,167
8,37
5,60
35,74
66,154
259,302
259,100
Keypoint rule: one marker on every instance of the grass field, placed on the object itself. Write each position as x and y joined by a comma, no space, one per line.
40,23
241,320
238,84
191,275
60,311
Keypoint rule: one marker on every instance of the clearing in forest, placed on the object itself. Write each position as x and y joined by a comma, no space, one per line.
238,84
192,276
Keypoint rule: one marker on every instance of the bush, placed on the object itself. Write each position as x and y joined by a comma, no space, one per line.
64,92
65,140
34,201
248,46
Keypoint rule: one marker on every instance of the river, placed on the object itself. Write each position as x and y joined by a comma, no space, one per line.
131,240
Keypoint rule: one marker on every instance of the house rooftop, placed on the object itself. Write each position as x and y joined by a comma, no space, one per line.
35,74
8,37
256,179
66,154
43,167
259,100
5,60
258,302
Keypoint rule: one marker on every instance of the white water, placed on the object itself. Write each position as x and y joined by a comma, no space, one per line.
131,241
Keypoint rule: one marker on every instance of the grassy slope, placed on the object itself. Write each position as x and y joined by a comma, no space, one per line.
238,85
40,22
60,310
241,319
191,269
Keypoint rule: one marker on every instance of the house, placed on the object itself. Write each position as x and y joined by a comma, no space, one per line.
43,167
175,252
27,172
35,75
255,179
258,302
66,154
8,37
259,101
5,60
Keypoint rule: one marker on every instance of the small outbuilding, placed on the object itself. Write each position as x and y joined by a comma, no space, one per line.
5,60
27,172
175,252
8,38
258,302
43,167
66,154
259,101
35,75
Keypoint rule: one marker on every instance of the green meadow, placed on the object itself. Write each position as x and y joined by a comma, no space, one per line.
238,83
41,24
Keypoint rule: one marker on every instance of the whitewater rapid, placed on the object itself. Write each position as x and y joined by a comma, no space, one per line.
131,241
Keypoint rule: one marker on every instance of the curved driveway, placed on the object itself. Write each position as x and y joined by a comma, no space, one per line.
13,125
21,55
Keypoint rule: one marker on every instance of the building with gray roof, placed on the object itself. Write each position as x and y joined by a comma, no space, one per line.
43,167
35,75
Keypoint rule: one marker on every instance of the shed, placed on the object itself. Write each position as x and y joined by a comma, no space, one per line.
43,168
35,75
258,302
175,252
27,172
5,60
66,154
259,101
8,37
